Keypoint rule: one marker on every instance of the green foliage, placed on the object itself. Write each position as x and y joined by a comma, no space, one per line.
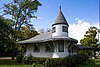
26,33
28,59
5,35
90,40
37,65
92,63
70,61
21,11
11,63
22,34
55,62
8,62
90,37
39,60
19,58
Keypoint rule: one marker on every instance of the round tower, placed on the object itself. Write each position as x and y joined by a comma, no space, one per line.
60,26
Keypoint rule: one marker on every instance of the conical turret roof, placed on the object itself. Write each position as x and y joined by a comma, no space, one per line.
60,19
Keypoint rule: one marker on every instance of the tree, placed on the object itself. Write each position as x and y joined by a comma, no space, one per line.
5,31
23,34
90,38
21,11
26,33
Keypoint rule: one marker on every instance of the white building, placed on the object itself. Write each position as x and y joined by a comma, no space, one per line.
53,44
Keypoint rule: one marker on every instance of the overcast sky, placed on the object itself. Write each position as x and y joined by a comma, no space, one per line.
80,14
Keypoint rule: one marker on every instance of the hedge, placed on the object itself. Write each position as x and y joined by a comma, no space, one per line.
69,61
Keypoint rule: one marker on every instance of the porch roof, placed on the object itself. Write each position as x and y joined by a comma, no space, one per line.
80,46
45,37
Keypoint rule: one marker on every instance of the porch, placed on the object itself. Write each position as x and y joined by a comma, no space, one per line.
51,49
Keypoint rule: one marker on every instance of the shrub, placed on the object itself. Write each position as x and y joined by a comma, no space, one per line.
39,60
55,62
19,58
37,65
28,59
70,61
76,60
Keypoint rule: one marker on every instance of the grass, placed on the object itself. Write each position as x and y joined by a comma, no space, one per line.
11,63
92,63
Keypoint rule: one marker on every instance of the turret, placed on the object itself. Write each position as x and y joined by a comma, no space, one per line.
60,26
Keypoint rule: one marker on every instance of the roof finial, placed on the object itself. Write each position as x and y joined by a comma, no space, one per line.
60,7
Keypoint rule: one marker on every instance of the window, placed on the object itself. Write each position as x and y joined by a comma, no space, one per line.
49,47
60,46
65,29
53,29
36,48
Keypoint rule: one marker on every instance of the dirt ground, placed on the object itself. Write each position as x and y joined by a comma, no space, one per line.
6,58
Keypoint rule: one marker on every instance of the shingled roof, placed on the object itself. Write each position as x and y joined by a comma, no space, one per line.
60,19
80,46
48,35
45,37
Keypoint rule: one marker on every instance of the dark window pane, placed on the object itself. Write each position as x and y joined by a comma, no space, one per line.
36,48
49,47
53,29
65,29
60,46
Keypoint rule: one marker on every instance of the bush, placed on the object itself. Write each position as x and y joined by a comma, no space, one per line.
70,61
19,58
39,60
28,59
76,60
37,65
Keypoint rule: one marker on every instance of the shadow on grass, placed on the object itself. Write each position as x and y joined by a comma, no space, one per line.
8,62
97,63
92,63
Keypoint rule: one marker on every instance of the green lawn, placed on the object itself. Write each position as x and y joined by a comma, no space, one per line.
92,63
12,63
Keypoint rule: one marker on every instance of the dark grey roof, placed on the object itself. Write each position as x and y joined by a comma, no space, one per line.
80,46
60,19
45,37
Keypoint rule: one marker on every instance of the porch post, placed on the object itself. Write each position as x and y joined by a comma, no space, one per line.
48,45
54,46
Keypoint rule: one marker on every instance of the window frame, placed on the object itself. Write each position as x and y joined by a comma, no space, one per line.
65,29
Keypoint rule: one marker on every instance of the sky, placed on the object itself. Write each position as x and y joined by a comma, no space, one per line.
80,14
